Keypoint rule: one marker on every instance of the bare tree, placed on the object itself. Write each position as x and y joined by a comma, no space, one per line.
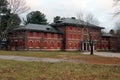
116,5
118,35
80,16
117,25
18,6
88,18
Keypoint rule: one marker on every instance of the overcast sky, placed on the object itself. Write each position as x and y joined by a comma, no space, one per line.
102,9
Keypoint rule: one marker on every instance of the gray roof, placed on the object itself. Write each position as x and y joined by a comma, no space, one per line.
107,35
37,27
75,22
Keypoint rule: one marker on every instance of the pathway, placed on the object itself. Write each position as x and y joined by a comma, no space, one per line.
21,58
105,54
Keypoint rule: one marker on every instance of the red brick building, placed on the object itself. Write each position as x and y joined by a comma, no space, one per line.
35,37
67,34
108,42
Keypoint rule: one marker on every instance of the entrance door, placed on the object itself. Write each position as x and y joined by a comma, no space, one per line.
85,46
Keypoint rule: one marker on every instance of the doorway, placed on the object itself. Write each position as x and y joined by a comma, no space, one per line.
85,46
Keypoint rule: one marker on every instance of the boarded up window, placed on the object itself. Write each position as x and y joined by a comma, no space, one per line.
76,45
79,36
79,45
45,44
37,34
74,36
31,34
71,28
52,44
30,43
58,44
59,35
45,35
37,43
52,35
20,44
70,35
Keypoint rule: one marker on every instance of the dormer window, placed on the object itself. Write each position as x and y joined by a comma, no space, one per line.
48,29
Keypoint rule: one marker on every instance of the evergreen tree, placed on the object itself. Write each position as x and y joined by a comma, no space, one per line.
56,19
36,17
8,20
3,12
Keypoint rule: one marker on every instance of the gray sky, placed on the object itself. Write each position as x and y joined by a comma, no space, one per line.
102,9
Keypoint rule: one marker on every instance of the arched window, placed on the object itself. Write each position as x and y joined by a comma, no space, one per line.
58,44
45,44
70,35
79,45
52,44
75,45
30,44
37,44
70,45
79,36
20,43
74,36
84,30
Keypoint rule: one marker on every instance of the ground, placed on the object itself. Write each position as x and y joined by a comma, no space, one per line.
91,67
62,56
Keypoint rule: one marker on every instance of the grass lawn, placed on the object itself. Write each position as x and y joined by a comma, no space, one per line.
92,59
16,70
38,54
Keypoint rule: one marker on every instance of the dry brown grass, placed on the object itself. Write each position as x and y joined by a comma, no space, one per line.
91,59
14,70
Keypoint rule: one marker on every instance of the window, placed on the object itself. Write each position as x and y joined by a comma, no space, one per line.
45,44
58,44
52,35
74,36
85,30
79,36
30,43
31,34
20,44
79,45
59,35
70,35
71,28
78,29
70,44
52,44
37,34
76,45
45,35
37,43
